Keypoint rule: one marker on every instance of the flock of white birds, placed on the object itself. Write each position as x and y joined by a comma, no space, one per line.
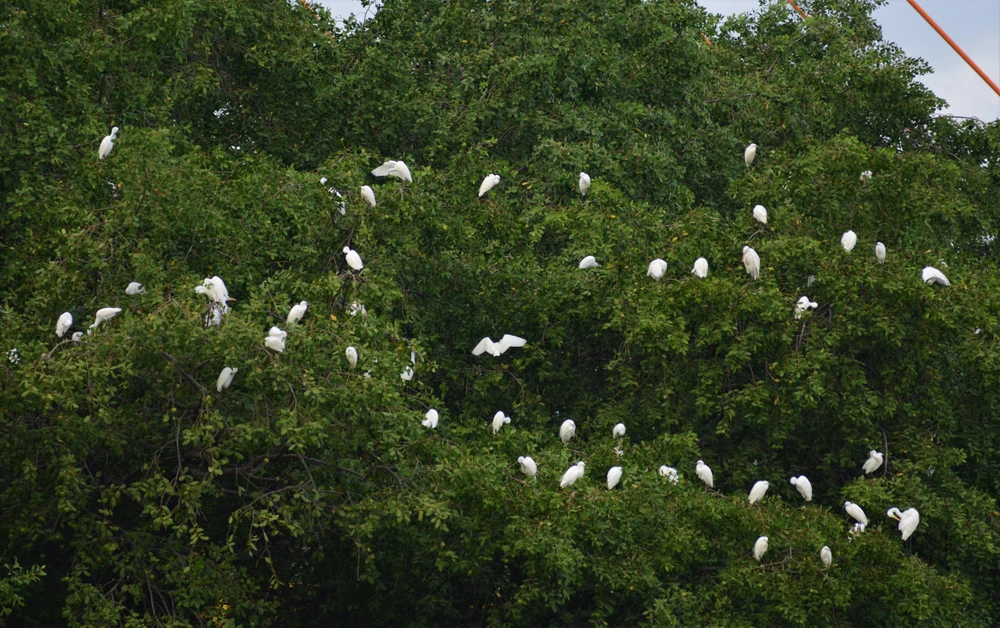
215,289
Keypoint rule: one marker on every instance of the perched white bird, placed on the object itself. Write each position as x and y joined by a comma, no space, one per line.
589,262
488,184
614,477
394,169
352,356
407,374
856,529
804,487
528,466
618,430
908,520
826,556
572,474
751,261
848,240
933,275
432,419
656,269
134,288
63,324
107,144
760,548
855,511
104,314
758,490
670,473
499,420
880,252
369,195
874,461
749,154
584,183
567,430
357,307
700,268
497,348
296,313
704,474
215,289
804,304
760,214
353,259
77,336
225,378
866,175
275,339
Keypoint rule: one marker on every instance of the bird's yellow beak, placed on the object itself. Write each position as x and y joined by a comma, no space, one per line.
894,517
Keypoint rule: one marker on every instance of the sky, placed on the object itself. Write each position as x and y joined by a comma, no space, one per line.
973,24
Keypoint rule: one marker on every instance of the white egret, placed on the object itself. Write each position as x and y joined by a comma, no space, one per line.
369,195
407,374
855,511
933,275
704,474
352,356
866,175
760,214
572,474
804,487
353,259
803,305
908,520
874,461
104,314
77,336
848,240
496,348
700,268
488,184
880,252
589,262
614,477
656,269
856,529
134,288
758,490
751,261
567,430
528,466
826,556
357,307
275,339
618,430
225,378
584,183
394,169
63,324
296,313
749,154
499,420
107,144
670,473
215,289
432,419
760,548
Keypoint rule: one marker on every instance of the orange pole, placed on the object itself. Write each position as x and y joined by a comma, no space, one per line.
951,42
798,9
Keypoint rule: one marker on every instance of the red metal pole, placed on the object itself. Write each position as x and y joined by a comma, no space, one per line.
951,42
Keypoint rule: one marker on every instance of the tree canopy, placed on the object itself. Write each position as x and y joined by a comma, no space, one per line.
134,493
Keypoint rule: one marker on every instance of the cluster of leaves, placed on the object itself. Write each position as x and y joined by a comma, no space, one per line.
137,494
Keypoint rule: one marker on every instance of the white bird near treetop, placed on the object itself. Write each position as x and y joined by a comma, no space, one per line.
589,262
908,520
873,462
826,556
760,548
104,314
432,419
760,213
749,154
700,269
296,313
63,324
107,144
215,289
394,169
880,252
751,261
618,430
499,420
369,195
855,511
848,240
353,259
488,184
804,487
670,473
352,356
704,474
804,304
77,336
486,345
275,339
584,183
614,477
134,288
225,378
567,430
933,275
528,466
656,269
866,175
572,474
758,490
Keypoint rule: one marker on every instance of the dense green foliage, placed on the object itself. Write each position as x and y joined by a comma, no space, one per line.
133,493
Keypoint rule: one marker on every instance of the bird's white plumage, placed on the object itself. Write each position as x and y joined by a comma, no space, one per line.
866,175
499,420
614,477
589,262
352,356
874,461
225,378
567,430
107,144
353,259
804,487
700,268
486,345
369,195
77,336
104,314
855,511
407,374
670,473
758,490
848,240
704,474
880,252
297,312
751,261
760,548
134,288
618,430
216,291
394,169
584,183
760,213
431,420
803,305
933,275
528,466
63,324
275,339
749,154
572,474
657,268
909,519
826,556
488,183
